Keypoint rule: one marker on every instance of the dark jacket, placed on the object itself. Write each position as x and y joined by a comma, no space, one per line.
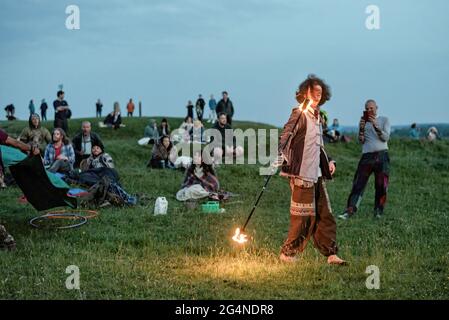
226,107
222,131
159,129
109,120
94,139
293,152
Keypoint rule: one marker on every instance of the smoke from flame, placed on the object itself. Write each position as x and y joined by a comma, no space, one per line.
239,237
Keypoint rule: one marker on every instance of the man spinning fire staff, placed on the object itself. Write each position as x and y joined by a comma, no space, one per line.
305,163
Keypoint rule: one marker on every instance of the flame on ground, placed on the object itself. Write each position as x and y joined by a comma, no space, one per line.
239,237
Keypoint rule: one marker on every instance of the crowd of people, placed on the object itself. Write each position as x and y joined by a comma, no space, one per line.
85,151
302,157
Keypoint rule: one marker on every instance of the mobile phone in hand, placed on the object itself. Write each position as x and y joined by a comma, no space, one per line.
366,115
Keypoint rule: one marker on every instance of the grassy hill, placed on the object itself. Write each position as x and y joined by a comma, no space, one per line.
131,254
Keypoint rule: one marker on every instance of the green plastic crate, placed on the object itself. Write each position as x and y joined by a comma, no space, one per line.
211,207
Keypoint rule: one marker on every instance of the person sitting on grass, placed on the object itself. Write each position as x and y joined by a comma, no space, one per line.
59,155
114,119
228,148
414,132
152,132
35,133
99,158
197,132
182,134
10,110
200,181
432,134
163,154
7,241
164,128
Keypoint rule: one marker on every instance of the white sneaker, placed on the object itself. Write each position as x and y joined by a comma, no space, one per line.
344,216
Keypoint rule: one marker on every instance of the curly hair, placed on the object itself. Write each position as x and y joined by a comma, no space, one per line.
311,81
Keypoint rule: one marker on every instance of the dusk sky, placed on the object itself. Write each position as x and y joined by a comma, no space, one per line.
166,52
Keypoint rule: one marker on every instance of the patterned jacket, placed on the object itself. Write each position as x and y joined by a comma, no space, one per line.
104,160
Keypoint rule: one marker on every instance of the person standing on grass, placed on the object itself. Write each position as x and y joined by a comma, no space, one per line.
374,133
62,112
130,108
44,108
59,155
189,109
7,241
225,106
199,106
212,107
31,107
305,163
99,108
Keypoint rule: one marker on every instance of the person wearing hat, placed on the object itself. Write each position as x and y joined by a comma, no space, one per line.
35,133
84,141
98,158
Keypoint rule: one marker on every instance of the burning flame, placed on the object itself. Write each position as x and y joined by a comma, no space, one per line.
239,237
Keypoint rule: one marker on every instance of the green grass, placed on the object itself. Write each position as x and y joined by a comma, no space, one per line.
131,254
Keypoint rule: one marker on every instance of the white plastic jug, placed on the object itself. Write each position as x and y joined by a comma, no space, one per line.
161,206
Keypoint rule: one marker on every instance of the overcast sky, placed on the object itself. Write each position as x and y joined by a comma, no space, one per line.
166,52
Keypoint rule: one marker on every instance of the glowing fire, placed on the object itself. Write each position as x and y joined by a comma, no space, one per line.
239,237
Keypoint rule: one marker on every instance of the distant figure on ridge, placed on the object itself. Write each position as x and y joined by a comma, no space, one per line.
44,108
225,106
130,108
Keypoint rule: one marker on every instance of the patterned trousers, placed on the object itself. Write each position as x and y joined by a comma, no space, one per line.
310,216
